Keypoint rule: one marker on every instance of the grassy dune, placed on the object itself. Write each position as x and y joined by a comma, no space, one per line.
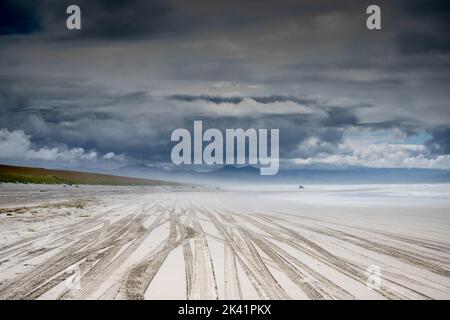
47,176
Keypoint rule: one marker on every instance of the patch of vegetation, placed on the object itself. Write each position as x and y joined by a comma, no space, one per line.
15,174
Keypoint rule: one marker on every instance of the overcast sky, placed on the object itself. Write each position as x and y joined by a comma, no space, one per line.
110,94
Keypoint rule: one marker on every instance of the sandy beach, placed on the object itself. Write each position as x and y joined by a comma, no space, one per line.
356,242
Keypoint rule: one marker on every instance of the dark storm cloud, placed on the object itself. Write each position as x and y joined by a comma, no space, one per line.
340,117
294,129
213,99
440,141
101,19
52,110
406,125
427,27
419,25
237,100
18,17
116,19
139,125
336,116
136,124
139,69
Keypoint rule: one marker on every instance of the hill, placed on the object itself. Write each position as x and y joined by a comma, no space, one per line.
46,176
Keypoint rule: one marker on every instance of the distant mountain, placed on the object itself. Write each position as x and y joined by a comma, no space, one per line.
249,174
16,174
235,172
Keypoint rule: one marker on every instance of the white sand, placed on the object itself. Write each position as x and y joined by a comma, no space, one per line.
152,243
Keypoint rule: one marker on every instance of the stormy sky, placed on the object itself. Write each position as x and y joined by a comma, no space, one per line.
110,95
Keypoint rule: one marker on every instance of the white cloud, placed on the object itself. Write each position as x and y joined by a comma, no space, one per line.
17,145
109,155
229,85
113,156
51,154
13,144
249,107
377,149
379,155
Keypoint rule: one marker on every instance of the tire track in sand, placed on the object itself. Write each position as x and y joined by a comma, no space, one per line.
27,286
253,265
204,284
140,276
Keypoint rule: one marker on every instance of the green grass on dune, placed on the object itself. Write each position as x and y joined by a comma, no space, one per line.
15,174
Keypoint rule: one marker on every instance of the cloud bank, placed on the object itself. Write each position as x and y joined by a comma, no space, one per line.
116,90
